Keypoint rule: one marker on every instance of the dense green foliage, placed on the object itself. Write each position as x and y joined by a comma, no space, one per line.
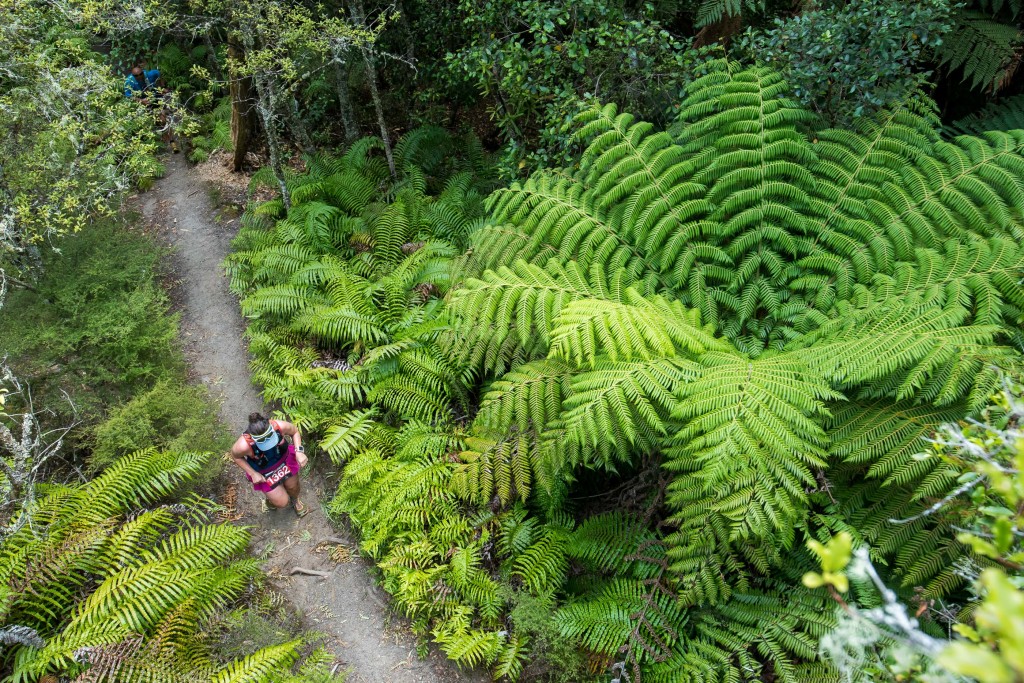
983,49
877,640
97,323
89,580
344,292
540,60
213,133
95,340
172,416
746,325
96,579
989,454
852,59
72,144
603,419
833,331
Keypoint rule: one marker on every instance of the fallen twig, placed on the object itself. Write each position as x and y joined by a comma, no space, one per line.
310,572
333,539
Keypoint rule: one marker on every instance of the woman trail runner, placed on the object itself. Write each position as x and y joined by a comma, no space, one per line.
270,462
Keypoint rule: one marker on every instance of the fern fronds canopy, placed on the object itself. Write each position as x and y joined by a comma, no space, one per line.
107,580
653,376
728,297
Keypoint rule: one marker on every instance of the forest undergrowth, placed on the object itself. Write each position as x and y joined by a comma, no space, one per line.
603,437
113,569
669,341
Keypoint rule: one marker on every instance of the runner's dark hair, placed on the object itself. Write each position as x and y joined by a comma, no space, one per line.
257,424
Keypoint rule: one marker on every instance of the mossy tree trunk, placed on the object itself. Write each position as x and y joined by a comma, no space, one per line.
348,118
267,101
371,76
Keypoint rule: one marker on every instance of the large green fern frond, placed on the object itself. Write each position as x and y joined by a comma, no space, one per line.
713,11
516,304
528,398
984,48
750,441
905,350
617,408
636,328
1003,114
260,665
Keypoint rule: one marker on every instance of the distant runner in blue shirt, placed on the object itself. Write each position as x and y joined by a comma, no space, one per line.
140,80
142,83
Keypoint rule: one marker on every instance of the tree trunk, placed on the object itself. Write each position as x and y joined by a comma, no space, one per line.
242,110
267,110
406,25
211,57
371,77
297,125
371,73
348,118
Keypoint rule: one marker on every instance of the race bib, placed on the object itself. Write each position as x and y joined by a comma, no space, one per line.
277,474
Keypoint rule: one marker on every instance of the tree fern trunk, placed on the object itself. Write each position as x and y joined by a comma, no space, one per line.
371,77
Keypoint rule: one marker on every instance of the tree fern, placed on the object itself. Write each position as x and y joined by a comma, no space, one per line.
908,350
572,226
857,287
542,566
623,405
636,328
503,469
607,621
528,398
710,652
1003,114
124,596
520,305
984,48
746,453
713,11
611,543
734,333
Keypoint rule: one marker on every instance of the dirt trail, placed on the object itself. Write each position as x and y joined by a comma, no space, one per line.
368,637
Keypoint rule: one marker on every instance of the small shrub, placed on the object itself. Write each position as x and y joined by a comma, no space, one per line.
552,658
171,416
249,629
96,327
852,59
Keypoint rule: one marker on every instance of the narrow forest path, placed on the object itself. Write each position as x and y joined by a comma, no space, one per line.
366,635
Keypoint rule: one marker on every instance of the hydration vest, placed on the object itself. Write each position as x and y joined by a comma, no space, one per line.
261,460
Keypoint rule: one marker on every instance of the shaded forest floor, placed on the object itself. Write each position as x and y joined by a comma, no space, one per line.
370,640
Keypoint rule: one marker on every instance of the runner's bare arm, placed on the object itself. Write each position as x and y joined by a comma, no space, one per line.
288,429
238,454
